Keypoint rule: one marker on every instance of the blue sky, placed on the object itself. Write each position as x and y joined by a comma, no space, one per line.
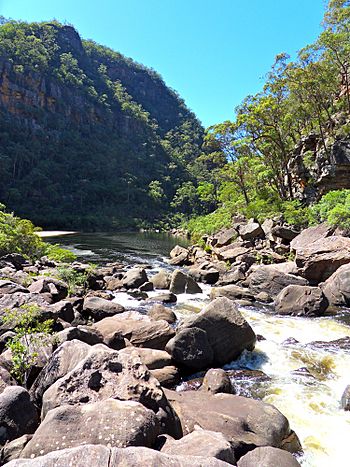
213,52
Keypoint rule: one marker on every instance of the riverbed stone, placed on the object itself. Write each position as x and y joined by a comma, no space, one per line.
204,272
337,287
202,443
159,312
183,283
268,456
191,348
161,280
99,308
245,423
301,300
165,297
216,380
139,329
345,399
233,292
179,256
102,456
18,414
134,278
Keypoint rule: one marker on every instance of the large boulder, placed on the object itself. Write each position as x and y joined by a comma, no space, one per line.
233,292
227,331
225,237
245,423
337,287
202,443
110,422
301,300
268,457
311,235
18,414
183,283
61,362
54,288
140,330
179,256
272,278
161,280
319,260
191,348
99,308
134,278
204,272
216,380
251,230
159,312
105,373
102,456
7,287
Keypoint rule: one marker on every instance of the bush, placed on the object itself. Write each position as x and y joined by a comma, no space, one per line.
333,208
56,253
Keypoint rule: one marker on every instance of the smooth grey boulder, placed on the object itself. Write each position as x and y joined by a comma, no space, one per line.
337,287
102,456
191,348
159,312
244,422
268,457
98,308
183,283
109,422
161,280
203,443
138,329
216,380
5,379
134,278
165,297
301,300
227,331
18,414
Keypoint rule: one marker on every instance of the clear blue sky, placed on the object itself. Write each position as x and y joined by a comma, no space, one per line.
213,52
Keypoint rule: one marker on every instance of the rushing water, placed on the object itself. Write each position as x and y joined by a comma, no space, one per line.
306,383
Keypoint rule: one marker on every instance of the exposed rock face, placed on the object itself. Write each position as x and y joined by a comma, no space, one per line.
301,300
98,308
138,329
337,287
267,457
5,379
102,456
273,278
110,422
18,414
202,443
311,235
104,374
227,331
318,261
244,422
183,283
7,287
191,348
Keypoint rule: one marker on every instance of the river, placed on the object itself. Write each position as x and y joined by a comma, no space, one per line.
306,383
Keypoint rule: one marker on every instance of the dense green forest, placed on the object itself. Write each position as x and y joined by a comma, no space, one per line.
88,137
272,157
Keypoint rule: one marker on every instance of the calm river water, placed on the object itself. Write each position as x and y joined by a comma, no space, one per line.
305,383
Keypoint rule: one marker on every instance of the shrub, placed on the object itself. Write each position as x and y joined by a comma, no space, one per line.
61,255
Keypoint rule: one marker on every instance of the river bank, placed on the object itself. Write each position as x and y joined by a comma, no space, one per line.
304,381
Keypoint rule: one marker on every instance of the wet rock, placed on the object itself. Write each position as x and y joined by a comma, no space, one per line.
233,292
337,287
216,380
319,260
109,422
303,371
98,308
104,374
268,456
160,312
179,256
18,415
191,348
227,331
102,456
202,443
113,283
272,278
298,300
134,278
183,283
290,341
245,423
333,346
161,280
251,230
140,330
55,288
345,399
166,297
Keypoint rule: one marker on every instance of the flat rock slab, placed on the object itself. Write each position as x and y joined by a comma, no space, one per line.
102,456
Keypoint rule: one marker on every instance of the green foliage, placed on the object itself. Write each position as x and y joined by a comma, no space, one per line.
333,208
61,255
74,279
294,213
209,223
31,335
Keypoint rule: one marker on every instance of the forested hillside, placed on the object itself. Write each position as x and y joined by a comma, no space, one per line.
290,143
88,138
